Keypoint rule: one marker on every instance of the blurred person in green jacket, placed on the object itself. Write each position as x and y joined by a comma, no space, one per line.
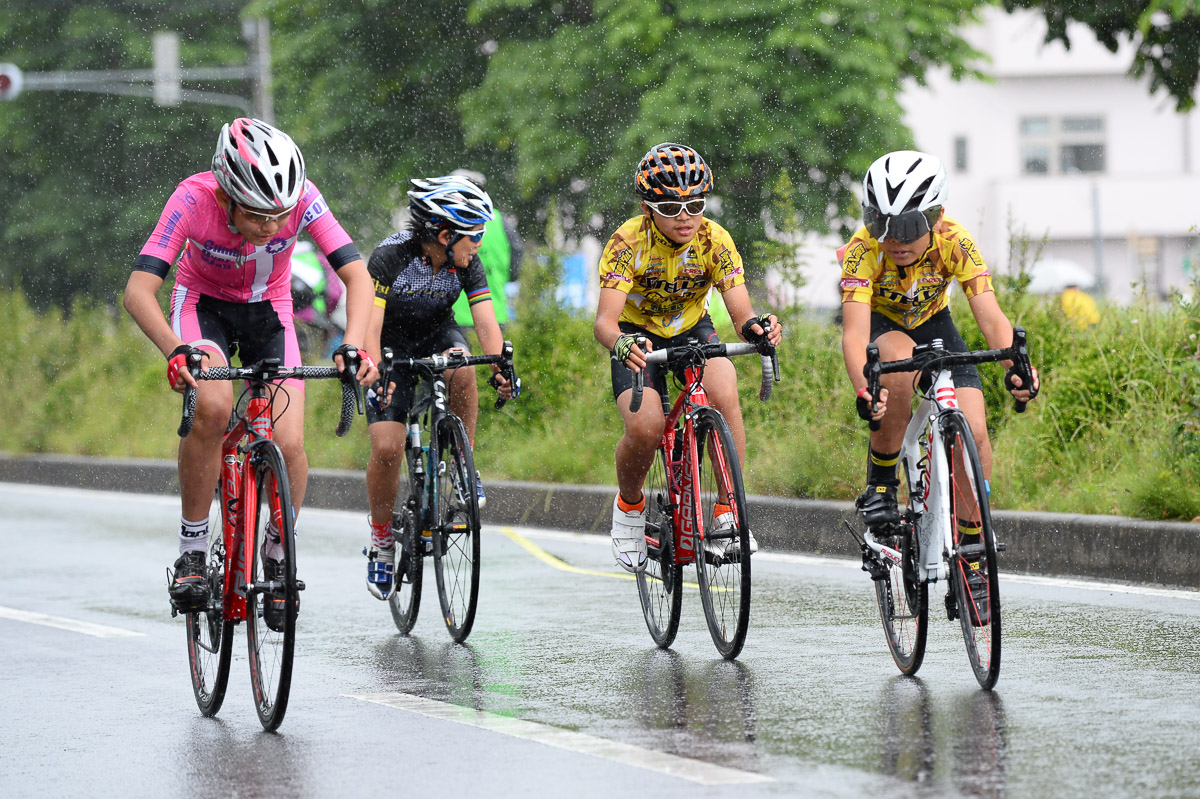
501,253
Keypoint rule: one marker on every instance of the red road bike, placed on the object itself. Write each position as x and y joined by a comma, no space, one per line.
252,492
696,504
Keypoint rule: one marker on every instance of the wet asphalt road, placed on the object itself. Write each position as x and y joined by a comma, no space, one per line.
560,689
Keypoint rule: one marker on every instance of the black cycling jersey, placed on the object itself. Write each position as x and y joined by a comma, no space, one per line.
417,302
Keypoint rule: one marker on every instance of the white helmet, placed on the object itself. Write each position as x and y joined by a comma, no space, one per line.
448,203
903,194
258,166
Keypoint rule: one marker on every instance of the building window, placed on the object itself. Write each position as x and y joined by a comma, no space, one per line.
1062,145
960,154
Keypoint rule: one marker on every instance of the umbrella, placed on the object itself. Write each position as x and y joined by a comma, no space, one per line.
1052,275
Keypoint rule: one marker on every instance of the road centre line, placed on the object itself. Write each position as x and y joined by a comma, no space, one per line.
71,625
561,565
581,743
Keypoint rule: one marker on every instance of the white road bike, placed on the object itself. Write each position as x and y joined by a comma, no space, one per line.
943,500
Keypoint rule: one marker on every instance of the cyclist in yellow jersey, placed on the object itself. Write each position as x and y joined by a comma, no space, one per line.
896,276
656,277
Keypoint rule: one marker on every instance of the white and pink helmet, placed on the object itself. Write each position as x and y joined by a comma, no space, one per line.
258,166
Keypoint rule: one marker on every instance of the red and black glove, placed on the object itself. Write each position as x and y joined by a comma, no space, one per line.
177,362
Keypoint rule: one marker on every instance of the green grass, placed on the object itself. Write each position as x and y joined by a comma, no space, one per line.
1114,431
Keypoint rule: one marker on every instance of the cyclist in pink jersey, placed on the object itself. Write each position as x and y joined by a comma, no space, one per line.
231,231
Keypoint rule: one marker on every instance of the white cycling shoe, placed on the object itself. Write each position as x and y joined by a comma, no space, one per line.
724,547
380,570
629,538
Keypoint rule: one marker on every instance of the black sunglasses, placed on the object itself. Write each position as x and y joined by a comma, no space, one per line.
904,228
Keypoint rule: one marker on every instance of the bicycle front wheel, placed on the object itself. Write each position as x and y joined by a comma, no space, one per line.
903,596
973,569
723,556
272,597
660,584
456,528
405,600
209,634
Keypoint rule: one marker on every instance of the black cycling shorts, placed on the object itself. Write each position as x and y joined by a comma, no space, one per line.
940,325
622,376
446,337
251,330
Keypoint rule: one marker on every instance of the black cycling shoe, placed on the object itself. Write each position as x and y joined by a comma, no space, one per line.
274,604
189,586
878,505
977,585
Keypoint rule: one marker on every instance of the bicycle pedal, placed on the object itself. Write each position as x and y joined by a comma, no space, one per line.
1000,547
951,607
299,585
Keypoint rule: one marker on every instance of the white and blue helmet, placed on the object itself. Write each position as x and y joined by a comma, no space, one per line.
451,202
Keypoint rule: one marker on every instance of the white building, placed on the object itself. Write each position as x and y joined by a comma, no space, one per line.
1064,144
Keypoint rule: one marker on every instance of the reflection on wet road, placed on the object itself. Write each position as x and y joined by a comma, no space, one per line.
560,688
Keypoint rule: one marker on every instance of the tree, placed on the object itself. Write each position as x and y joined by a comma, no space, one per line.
370,88
85,175
577,91
1166,33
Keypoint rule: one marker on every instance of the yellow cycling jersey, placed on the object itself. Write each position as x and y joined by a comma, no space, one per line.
910,296
668,285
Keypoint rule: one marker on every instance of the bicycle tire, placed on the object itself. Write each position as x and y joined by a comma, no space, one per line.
271,650
724,577
210,636
456,528
968,500
405,601
903,597
660,584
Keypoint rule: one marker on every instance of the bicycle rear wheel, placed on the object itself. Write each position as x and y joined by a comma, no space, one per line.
973,568
903,596
272,598
723,556
209,635
660,584
456,528
405,601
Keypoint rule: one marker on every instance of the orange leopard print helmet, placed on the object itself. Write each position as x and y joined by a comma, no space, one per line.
672,171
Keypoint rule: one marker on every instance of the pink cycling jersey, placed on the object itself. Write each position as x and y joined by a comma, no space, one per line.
219,262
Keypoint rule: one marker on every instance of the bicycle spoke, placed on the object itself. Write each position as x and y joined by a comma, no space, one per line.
273,594
456,536
659,584
405,601
723,570
209,644
973,577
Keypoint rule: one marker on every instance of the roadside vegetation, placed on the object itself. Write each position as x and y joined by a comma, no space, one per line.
1116,429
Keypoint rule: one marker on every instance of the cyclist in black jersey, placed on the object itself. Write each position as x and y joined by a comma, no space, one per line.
419,273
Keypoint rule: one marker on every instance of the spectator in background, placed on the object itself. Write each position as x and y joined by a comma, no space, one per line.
316,294
501,253
1079,307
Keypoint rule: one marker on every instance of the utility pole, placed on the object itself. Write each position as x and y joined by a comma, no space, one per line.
257,32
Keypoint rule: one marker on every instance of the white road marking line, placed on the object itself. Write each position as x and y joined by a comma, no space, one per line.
599,540
71,625
671,765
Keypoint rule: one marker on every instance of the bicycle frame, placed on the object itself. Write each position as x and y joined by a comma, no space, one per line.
425,413
683,472
928,473
237,489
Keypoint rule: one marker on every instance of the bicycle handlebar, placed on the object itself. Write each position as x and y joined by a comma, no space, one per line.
269,370
453,359
769,362
928,357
